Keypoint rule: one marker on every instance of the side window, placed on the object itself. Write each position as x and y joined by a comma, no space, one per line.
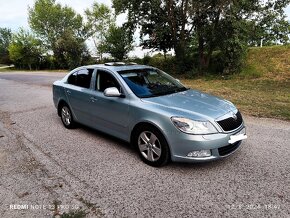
81,78
84,78
72,79
105,80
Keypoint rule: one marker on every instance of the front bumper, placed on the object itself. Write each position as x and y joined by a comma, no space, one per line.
218,144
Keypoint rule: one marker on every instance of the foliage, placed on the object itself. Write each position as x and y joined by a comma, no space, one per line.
206,26
271,26
164,25
5,39
25,50
207,36
100,19
157,35
51,20
233,47
227,27
117,43
70,51
54,24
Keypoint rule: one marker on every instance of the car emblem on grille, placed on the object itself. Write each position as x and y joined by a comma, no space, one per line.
234,116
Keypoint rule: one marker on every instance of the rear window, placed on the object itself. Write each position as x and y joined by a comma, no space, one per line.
81,78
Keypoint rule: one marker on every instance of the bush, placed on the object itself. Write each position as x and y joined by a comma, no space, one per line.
217,64
168,64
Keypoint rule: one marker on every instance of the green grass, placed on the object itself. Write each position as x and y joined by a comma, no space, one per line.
263,87
256,97
272,61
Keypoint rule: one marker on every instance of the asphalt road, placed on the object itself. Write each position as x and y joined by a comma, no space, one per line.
43,165
33,78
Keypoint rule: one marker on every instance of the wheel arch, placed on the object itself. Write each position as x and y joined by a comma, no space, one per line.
151,124
60,103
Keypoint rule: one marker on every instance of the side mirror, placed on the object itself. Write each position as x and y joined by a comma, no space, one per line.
112,92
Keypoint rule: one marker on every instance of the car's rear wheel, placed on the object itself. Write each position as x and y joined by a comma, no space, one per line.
152,146
66,117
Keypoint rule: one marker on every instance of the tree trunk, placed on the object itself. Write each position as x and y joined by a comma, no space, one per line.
201,55
179,50
164,54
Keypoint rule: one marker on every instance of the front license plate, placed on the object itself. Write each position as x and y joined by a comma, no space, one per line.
238,136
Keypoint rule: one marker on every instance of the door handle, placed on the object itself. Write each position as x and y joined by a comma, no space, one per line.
68,92
93,99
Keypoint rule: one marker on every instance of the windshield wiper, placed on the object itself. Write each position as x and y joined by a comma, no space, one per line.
172,91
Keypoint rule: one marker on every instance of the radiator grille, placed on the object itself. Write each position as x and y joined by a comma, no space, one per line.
231,123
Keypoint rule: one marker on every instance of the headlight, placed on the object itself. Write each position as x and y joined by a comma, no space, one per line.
193,127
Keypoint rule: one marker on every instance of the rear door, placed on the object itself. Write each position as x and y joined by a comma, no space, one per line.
78,92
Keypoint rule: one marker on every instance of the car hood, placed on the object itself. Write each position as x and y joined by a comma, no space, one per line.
194,102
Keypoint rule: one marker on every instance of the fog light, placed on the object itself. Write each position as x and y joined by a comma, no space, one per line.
201,153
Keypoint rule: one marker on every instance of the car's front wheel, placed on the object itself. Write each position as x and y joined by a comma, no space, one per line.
152,146
66,117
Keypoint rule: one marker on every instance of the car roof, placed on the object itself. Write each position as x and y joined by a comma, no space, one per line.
118,67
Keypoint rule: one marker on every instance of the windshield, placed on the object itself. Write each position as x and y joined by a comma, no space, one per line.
146,83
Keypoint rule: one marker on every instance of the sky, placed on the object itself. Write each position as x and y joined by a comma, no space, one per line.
13,14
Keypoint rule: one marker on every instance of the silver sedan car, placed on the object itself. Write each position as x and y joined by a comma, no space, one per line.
143,105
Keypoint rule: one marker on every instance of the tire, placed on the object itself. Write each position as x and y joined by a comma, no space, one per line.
152,146
66,117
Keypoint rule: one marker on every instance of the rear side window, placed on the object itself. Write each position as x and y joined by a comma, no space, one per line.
84,78
72,79
81,78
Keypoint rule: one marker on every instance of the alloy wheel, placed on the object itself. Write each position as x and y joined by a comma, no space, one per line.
65,115
149,146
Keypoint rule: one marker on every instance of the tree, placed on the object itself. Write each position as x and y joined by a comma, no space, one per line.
166,23
25,50
157,35
222,26
214,25
69,51
236,26
99,18
117,43
270,29
281,31
53,22
5,39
